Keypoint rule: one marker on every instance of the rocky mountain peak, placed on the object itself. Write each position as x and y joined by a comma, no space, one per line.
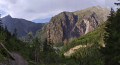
66,26
23,26
8,16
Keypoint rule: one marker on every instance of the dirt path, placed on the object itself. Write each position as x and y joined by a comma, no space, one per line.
19,60
72,50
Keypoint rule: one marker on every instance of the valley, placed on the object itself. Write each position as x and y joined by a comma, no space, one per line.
84,37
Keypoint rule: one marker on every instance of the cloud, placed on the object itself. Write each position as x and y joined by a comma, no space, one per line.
33,9
110,3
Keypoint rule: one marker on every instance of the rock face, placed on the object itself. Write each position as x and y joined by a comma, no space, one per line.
23,26
69,25
66,26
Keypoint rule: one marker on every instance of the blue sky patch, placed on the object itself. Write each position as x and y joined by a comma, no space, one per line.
41,20
2,13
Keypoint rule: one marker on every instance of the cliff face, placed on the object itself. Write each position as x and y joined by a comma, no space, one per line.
66,26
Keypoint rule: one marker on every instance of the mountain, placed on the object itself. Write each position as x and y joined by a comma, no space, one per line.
66,26
86,47
22,26
101,44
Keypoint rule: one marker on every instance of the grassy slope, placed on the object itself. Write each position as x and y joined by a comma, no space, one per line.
95,36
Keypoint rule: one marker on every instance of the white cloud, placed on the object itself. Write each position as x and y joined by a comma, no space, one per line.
32,9
110,3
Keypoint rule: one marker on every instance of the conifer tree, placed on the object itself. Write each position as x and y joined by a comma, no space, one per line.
117,3
111,51
15,33
0,22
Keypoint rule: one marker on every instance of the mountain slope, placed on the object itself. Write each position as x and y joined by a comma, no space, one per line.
94,37
86,49
23,26
66,26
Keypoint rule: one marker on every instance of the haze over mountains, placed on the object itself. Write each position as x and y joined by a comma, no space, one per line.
22,26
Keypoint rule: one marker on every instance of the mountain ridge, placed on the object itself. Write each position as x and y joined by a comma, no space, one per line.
66,26
22,26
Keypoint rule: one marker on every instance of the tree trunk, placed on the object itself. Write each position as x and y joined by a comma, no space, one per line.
11,57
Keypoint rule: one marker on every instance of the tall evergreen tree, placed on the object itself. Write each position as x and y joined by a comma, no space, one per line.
0,22
117,3
0,19
15,32
111,51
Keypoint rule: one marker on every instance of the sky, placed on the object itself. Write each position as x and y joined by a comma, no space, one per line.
45,9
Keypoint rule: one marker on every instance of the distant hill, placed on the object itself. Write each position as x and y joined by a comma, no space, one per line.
66,26
23,26
41,20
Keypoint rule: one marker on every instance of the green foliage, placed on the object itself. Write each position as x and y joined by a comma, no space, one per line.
41,34
71,62
1,57
59,44
88,55
11,43
112,39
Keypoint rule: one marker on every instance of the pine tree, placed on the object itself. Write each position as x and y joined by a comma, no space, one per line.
45,46
117,3
111,51
1,30
15,33
0,22
50,44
